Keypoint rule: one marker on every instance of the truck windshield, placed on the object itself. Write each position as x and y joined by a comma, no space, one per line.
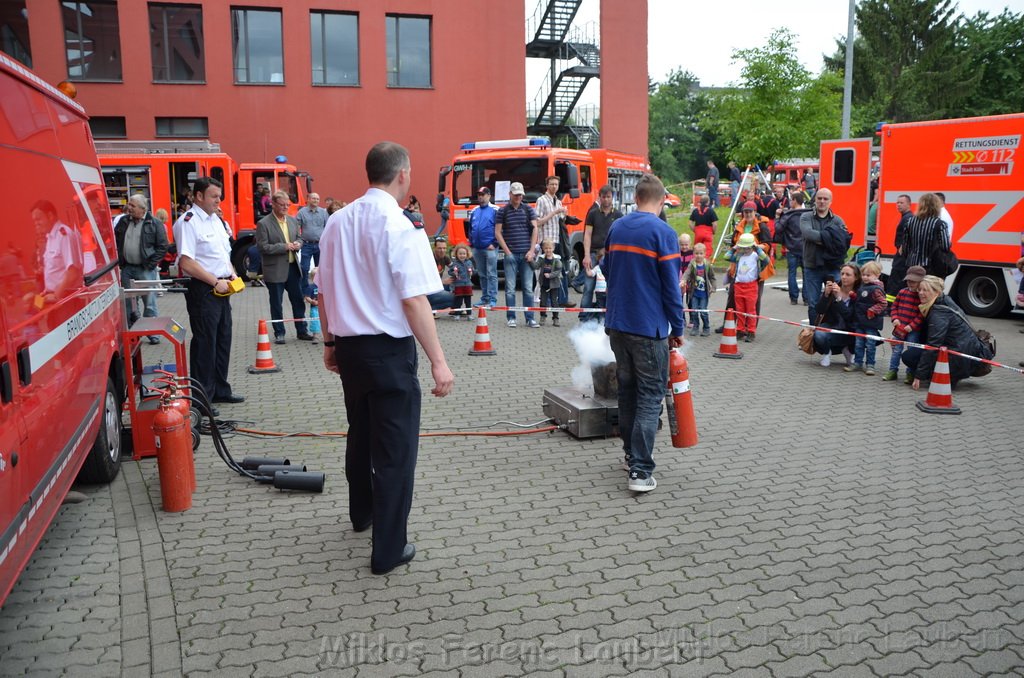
468,177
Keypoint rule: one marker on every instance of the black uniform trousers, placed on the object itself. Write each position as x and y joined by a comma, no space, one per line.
209,353
382,400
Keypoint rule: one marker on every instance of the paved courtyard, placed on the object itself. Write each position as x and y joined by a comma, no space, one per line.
822,526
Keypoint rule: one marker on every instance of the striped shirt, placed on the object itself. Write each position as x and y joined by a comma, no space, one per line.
921,237
516,226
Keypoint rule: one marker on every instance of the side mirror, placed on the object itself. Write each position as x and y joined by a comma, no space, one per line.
573,179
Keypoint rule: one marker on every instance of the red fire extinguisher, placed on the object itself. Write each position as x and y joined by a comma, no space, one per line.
173,457
681,419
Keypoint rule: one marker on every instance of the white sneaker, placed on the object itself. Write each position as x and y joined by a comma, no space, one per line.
826,360
512,322
641,482
532,323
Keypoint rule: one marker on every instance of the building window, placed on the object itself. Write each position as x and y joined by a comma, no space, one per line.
189,128
92,41
14,32
176,37
257,47
108,127
408,39
334,40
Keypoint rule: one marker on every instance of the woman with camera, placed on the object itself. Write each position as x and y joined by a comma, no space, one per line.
835,311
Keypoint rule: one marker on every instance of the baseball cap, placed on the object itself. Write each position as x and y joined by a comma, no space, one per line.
484,189
440,238
749,205
516,189
915,274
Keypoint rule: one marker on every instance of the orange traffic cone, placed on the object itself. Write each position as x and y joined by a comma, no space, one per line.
940,392
727,349
682,423
264,360
482,338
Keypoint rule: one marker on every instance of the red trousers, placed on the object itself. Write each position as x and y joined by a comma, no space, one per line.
745,295
706,235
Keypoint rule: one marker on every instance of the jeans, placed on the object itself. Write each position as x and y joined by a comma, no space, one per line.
486,261
814,285
549,299
131,272
793,260
309,251
864,348
276,292
897,350
713,195
827,343
642,370
516,268
440,301
699,313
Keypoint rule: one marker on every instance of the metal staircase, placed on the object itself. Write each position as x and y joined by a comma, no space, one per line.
575,60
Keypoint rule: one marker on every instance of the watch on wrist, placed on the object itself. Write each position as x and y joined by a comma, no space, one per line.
329,344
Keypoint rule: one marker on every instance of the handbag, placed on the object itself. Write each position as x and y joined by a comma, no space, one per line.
941,261
805,340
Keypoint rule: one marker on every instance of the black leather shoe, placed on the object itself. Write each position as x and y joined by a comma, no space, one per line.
229,398
363,527
214,411
408,553
307,337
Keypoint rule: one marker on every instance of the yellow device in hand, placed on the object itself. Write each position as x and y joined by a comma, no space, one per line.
234,285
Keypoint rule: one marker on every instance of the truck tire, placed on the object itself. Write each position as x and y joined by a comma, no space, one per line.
104,460
240,256
982,292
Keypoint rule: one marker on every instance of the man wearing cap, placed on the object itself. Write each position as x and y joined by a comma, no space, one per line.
644,320
816,268
515,229
485,247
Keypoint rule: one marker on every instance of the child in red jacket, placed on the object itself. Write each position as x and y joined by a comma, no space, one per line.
906,320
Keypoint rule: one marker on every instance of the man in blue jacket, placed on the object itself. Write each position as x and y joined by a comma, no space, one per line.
644,319
485,248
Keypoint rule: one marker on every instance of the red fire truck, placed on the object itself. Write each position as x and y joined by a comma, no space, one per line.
163,172
973,162
61,316
496,164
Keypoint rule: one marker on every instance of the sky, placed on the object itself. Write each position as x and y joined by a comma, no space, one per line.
700,36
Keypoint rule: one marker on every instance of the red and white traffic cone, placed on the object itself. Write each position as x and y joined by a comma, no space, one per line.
940,391
264,359
482,338
727,349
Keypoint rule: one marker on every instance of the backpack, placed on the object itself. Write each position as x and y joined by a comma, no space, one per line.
988,352
835,244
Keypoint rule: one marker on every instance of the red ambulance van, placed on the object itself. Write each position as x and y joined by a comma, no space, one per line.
61,315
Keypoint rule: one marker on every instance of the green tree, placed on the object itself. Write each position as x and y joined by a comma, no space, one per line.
779,110
677,145
906,65
993,48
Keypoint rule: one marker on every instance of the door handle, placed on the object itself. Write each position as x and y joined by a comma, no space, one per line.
24,366
6,387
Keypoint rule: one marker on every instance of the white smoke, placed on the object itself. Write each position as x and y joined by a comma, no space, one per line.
593,348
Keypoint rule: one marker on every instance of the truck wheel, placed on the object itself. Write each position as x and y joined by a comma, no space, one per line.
982,292
240,257
104,460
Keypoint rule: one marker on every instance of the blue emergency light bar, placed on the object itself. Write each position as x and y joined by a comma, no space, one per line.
537,142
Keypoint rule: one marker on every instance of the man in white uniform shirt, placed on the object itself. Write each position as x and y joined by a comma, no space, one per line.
376,270
204,254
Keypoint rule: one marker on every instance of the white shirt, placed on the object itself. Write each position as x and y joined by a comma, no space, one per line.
944,216
63,251
202,238
371,258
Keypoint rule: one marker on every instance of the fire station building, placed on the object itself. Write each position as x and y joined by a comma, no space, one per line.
318,81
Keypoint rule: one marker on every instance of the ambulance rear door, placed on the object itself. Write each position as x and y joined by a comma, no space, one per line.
846,171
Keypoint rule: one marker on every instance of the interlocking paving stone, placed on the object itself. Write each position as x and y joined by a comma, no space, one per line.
781,554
